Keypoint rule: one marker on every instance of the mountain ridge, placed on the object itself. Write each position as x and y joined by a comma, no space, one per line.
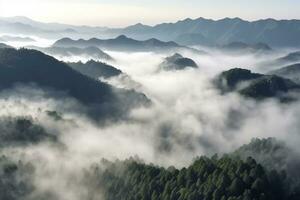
276,33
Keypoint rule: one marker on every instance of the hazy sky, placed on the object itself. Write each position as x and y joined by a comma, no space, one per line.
125,12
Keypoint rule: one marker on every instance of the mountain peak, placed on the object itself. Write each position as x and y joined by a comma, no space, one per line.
122,37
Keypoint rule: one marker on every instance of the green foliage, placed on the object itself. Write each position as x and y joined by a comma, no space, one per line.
206,178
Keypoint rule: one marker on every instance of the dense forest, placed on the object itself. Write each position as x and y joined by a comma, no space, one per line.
230,177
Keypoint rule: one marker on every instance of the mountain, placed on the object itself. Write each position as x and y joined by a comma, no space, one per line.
177,62
231,79
200,31
95,69
121,43
257,86
87,52
241,47
291,72
276,33
25,66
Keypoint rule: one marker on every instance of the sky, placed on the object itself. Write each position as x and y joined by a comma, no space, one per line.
119,13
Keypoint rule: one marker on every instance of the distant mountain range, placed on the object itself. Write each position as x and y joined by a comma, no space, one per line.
201,31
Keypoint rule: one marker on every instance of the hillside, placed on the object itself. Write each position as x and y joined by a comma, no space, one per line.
31,66
257,86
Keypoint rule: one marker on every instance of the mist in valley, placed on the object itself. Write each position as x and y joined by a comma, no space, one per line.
187,116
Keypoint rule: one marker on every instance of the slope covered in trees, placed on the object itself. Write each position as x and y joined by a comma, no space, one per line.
30,66
207,178
257,86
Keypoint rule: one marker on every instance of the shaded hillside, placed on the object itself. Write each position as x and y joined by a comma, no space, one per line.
95,69
177,62
31,66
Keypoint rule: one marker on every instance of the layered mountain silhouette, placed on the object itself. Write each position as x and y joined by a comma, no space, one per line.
291,72
89,52
25,66
96,69
120,43
177,62
257,86
200,31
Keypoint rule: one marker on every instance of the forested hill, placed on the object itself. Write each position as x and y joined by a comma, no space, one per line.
206,178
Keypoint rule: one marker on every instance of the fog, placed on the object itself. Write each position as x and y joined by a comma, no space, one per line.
189,117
